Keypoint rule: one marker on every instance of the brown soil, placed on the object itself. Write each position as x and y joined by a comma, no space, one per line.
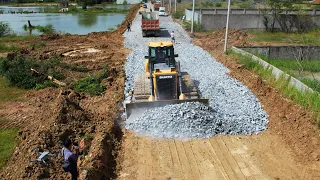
293,123
287,150
50,115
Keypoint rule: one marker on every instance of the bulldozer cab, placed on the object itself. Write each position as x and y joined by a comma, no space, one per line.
162,52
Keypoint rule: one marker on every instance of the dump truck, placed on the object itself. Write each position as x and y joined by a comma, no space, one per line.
163,82
157,5
150,24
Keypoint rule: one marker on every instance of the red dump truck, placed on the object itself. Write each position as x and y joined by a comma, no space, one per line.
150,24
157,5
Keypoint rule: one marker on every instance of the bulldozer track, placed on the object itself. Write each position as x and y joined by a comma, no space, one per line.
13,120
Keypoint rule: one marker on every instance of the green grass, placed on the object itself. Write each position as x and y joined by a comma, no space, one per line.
309,38
7,48
7,143
293,68
3,120
8,93
14,38
312,66
309,100
89,85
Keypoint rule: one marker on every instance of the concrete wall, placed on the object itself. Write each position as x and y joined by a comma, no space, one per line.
250,11
213,19
243,21
286,52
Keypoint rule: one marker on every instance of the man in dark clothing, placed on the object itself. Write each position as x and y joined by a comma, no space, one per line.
129,27
70,158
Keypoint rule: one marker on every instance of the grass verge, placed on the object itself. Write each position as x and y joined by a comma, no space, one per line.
308,38
7,143
298,69
14,38
8,93
7,48
308,100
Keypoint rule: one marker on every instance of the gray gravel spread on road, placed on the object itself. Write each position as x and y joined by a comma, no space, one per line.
231,103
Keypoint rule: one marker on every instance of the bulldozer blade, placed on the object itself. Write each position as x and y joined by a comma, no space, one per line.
134,110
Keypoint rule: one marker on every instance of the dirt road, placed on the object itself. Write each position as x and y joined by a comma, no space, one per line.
287,150
225,157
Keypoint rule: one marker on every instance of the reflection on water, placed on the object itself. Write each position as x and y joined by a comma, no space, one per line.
79,23
86,21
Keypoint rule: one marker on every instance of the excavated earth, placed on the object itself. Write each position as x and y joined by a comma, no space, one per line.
48,116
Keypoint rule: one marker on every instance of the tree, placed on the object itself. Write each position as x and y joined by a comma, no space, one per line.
277,7
86,3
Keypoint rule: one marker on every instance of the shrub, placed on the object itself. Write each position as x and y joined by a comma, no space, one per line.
18,72
196,26
48,29
218,4
178,14
89,85
4,29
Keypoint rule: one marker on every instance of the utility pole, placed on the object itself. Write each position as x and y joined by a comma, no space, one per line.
227,29
192,18
170,6
175,5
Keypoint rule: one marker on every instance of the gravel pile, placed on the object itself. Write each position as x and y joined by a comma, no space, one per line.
233,103
186,120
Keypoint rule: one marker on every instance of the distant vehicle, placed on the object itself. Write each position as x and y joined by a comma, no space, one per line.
157,5
162,11
150,24
145,5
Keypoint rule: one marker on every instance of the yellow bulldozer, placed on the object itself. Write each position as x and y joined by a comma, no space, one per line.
163,82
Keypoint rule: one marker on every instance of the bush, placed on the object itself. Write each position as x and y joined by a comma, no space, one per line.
218,4
246,5
178,14
89,85
125,2
4,29
18,72
48,29
196,26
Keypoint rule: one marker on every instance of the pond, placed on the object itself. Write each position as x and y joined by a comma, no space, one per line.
77,23
7,9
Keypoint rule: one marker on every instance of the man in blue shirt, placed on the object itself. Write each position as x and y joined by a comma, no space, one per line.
70,158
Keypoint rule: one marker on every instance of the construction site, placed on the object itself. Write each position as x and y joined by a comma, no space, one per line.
171,109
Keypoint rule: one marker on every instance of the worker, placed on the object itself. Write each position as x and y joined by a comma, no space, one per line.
172,37
70,158
129,27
